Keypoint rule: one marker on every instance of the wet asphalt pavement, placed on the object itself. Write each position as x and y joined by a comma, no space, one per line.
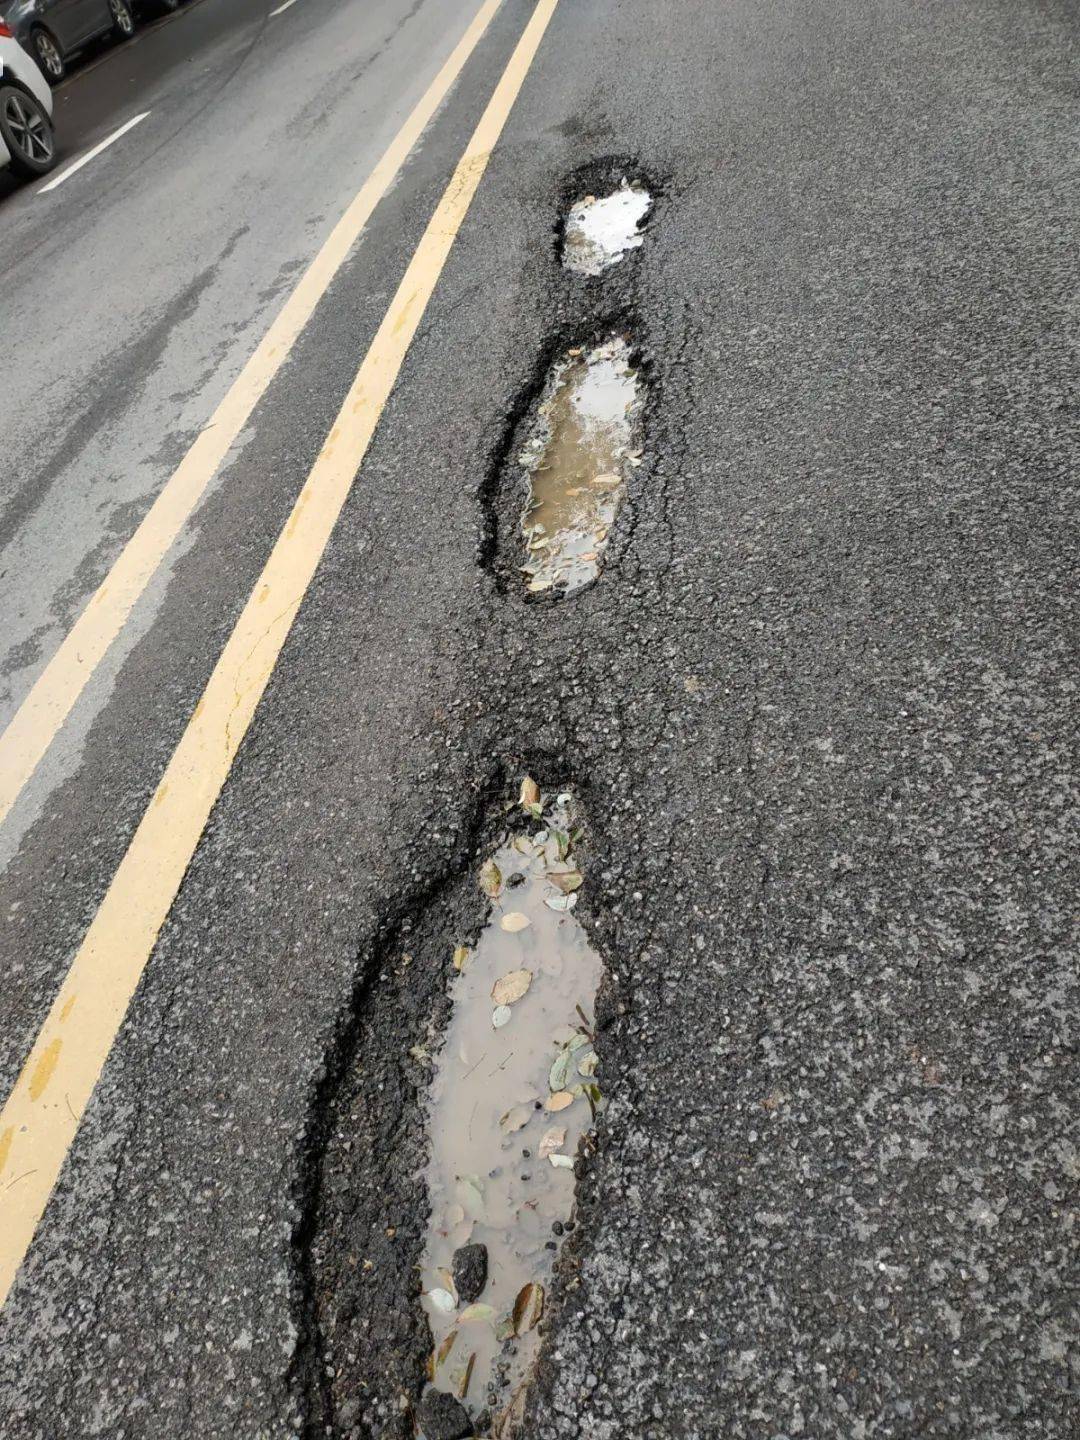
820,711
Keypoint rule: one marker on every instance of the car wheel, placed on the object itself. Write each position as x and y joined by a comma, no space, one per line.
123,21
48,56
27,132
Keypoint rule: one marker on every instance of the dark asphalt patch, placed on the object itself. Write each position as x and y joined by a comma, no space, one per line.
363,1340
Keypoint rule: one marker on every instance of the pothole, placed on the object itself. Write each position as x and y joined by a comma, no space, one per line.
576,459
600,229
514,1092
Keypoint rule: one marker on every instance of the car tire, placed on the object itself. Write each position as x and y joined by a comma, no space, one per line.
123,21
27,131
49,56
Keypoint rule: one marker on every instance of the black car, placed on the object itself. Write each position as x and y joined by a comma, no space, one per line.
54,30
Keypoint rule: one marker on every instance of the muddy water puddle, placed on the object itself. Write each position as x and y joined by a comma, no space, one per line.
576,459
600,229
514,1090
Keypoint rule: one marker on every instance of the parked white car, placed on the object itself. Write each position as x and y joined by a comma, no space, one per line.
27,143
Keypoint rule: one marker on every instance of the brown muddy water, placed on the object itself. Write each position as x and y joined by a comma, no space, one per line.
601,229
514,1090
576,460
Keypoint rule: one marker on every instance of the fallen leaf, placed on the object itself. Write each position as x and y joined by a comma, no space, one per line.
560,902
587,1064
559,1101
562,1162
516,1118
500,1016
443,1301
515,921
474,1313
491,879
530,793
511,987
528,1308
504,1329
560,1071
551,1140
461,957
471,1195
562,841
566,880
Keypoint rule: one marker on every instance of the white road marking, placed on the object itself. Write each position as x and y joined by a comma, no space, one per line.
280,8
85,159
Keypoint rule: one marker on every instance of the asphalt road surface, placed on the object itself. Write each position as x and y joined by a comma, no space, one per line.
819,712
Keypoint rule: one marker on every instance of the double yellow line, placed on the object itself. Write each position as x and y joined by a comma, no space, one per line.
42,1114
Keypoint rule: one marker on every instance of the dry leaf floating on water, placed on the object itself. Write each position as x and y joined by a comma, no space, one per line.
528,1308
511,987
491,879
566,880
551,1140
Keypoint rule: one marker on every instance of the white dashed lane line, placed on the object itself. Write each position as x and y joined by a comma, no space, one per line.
90,154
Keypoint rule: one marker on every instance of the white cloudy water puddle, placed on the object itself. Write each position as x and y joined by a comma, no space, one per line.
601,229
576,459
514,1091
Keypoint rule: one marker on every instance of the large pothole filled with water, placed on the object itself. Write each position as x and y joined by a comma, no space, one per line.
514,1093
577,458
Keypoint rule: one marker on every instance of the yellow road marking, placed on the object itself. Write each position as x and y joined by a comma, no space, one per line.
42,1113
39,718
